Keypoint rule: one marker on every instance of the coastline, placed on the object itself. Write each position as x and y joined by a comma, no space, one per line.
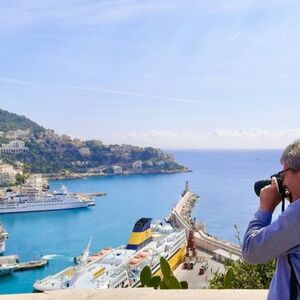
125,173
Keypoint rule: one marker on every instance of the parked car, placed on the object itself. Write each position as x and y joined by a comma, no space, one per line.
186,265
203,268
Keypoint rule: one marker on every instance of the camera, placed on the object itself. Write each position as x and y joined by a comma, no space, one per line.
262,183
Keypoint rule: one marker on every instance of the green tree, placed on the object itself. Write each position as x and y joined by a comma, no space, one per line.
241,275
20,179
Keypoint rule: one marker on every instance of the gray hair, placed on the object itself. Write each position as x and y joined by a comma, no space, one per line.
291,155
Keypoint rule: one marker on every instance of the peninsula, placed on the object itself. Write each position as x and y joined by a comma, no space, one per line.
27,146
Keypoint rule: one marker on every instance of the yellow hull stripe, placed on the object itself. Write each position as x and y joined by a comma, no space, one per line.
175,260
138,238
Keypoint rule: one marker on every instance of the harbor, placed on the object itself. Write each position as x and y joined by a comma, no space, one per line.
200,258
107,223
9,264
193,255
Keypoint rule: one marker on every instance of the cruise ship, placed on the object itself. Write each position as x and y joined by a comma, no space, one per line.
121,267
43,201
3,238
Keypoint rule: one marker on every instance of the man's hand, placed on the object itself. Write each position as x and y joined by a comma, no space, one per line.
270,197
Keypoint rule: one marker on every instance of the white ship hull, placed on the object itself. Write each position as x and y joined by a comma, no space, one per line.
3,238
122,266
2,246
39,206
45,202
5,270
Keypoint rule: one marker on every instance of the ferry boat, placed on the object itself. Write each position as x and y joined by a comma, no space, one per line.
121,267
43,201
3,238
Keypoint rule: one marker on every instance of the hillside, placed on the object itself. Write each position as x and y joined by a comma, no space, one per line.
10,122
48,152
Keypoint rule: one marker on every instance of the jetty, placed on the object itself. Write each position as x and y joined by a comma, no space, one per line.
180,217
13,260
207,253
91,195
35,264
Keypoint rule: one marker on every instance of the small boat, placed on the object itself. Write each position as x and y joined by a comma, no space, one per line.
84,254
86,257
6,269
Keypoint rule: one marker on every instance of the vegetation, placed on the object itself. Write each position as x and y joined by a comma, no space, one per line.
53,153
10,121
21,178
241,275
168,281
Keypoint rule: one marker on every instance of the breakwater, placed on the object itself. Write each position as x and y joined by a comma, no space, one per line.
180,217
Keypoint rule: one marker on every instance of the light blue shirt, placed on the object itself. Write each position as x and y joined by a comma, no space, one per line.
264,241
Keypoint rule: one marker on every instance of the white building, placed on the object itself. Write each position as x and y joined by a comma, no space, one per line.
85,151
137,165
15,146
7,174
117,169
33,185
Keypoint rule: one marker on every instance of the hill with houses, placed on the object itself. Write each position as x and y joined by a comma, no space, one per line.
40,150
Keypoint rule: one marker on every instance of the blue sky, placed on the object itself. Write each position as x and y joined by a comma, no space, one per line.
169,74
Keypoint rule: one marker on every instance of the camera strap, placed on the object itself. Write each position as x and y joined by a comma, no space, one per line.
294,284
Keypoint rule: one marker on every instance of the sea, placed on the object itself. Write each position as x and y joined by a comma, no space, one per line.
223,180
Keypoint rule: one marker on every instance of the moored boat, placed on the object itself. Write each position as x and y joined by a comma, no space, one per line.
3,238
43,201
6,269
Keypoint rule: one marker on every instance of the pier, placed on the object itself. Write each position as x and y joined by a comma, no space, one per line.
91,195
13,260
180,217
208,248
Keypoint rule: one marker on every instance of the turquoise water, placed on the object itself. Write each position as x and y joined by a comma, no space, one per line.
223,180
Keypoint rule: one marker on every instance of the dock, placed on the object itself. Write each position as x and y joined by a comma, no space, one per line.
205,246
91,195
13,260
35,264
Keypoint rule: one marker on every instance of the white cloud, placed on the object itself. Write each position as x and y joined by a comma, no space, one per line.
20,15
219,139
155,134
256,133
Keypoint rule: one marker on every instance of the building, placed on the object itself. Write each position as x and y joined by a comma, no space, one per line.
137,165
15,146
85,151
18,134
7,174
117,169
33,185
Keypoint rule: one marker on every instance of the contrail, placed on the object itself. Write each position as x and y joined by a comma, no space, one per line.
118,92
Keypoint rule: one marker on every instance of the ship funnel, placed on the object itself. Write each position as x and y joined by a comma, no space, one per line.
141,234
